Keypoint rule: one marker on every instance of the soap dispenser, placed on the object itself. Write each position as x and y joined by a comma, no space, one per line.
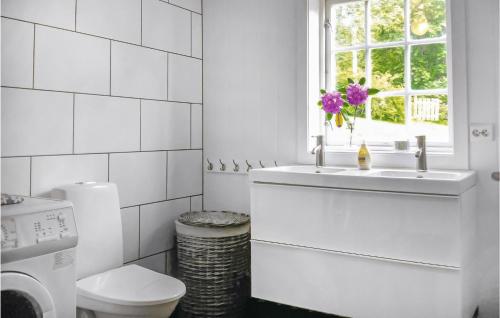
364,158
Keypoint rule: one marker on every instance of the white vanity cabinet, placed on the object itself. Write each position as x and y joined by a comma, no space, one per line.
357,251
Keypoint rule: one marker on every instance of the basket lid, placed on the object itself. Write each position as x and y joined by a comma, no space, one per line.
214,218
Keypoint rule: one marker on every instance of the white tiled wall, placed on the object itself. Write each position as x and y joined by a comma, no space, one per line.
165,125
166,27
17,57
138,72
107,91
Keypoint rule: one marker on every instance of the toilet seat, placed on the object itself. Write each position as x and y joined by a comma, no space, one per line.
130,285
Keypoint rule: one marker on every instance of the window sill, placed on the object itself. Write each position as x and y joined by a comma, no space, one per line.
431,151
440,158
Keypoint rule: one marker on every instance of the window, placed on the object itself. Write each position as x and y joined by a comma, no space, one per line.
400,47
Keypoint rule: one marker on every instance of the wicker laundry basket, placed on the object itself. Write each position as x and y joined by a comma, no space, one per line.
213,250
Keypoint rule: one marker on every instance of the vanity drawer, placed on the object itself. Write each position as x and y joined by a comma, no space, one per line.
355,286
401,226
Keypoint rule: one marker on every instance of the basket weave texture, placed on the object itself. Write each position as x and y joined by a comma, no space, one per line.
216,270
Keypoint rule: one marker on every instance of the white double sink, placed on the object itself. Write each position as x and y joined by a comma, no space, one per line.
382,243
430,182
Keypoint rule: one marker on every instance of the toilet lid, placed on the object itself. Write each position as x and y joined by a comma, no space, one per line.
131,285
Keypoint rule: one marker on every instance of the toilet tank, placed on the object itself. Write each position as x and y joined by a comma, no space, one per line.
98,220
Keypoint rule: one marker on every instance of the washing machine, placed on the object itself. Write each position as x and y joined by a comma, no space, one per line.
38,277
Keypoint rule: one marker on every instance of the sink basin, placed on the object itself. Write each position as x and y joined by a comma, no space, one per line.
429,175
306,169
439,182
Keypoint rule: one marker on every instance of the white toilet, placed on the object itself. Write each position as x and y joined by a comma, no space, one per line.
106,288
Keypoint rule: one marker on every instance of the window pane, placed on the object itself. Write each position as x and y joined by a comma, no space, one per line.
349,65
428,18
389,109
428,66
387,18
388,68
430,117
349,23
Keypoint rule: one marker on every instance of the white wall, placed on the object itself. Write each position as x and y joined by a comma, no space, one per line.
483,56
250,74
107,91
253,57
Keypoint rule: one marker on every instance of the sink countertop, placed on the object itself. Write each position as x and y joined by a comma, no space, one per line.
437,182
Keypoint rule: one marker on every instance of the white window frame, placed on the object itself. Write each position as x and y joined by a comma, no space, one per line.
367,46
440,157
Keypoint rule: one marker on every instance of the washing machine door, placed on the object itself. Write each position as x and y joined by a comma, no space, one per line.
24,296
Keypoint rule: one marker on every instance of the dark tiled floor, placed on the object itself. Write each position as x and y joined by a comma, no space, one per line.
264,309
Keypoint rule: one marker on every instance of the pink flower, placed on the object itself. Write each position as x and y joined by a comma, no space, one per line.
357,94
332,102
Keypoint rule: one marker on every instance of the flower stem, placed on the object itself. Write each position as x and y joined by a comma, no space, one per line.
351,127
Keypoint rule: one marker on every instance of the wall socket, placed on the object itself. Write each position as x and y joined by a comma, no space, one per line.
481,132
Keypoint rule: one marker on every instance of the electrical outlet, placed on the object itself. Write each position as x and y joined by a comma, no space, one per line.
481,132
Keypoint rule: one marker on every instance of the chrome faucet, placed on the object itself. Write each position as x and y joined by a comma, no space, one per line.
319,151
421,154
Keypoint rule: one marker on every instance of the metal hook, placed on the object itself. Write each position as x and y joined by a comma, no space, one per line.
222,165
249,166
236,166
210,165
261,164
275,163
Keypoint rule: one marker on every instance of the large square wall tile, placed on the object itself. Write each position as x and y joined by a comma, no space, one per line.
130,225
193,5
36,122
54,171
155,262
197,203
106,124
184,173
140,176
164,125
158,225
196,126
58,13
138,72
17,53
69,61
184,79
197,37
166,27
16,175
115,19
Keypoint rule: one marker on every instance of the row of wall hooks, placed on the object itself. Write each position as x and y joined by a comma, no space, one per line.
222,167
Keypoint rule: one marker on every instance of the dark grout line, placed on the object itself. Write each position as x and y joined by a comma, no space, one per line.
191,34
167,73
139,225
162,201
166,175
191,126
99,153
109,166
105,38
95,94
73,123
141,23
178,6
31,174
110,52
34,43
140,124
144,257
76,12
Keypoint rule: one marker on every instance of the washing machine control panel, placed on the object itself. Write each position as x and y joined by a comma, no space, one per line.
38,230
